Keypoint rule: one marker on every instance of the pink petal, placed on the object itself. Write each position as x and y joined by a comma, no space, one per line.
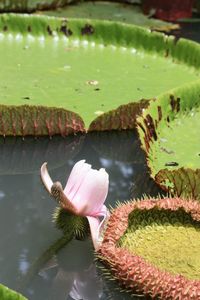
94,223
92,193
46,179
76,177
97,226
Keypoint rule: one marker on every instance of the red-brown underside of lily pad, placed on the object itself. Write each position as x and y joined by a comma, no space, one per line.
133,271
38,120
124,117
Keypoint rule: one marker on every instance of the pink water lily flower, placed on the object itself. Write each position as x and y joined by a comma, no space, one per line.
84,195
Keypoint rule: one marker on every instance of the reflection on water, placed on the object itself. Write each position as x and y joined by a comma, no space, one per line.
26,228
76,276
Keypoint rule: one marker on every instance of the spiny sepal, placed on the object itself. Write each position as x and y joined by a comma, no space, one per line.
69,223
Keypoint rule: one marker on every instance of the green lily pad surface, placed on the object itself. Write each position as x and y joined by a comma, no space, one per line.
30,5
169,131
8,294
59,76
112,11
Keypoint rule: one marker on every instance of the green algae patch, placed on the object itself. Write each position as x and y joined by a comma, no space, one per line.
169,132
169,240
112,11
151,247
52,69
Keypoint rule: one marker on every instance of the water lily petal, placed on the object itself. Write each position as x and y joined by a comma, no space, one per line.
46,179
92,193
94,223
97,226
76,177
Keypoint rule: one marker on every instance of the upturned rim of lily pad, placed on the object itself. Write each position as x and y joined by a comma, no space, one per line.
180,180
31,119
132,271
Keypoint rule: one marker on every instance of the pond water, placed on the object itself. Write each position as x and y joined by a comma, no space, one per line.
26,211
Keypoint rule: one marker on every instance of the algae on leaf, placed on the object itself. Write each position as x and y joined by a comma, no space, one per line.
169,132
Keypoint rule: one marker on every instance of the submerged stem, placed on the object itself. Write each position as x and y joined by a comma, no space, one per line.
44,258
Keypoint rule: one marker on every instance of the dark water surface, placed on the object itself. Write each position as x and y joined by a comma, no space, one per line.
26,209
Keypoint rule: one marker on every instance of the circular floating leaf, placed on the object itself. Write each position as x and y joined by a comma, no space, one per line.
152,246
57,75
112,11
169,131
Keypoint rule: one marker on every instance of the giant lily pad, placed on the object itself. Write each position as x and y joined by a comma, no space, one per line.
30,5
169,131
152,247
112,11
57,76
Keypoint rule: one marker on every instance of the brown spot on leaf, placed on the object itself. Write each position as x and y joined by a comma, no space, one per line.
172,102
171,164
140,125
87,29
150,127
178,105
49,30
175,103
159,113
65,30
167,53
